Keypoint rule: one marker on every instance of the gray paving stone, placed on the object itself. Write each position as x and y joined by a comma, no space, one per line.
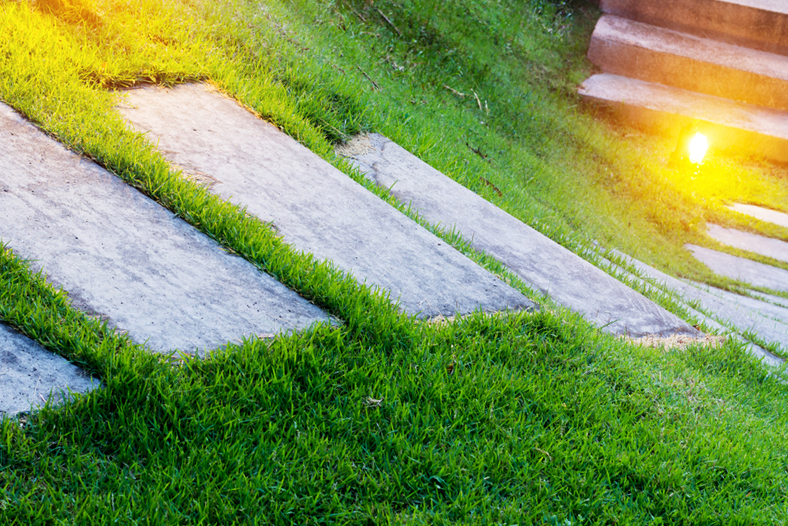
30,375
742,269
540,262
122,256
733,127
316,208
764,214
654,54
769,321
758,24
765,246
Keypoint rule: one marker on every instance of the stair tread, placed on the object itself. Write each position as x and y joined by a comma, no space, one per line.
630,32
659,97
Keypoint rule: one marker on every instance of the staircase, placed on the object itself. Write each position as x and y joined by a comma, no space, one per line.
721,66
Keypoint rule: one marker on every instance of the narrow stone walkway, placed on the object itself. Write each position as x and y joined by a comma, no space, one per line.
314,206
539,261
122,256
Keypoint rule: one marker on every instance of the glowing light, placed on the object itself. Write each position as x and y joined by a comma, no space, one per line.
698,147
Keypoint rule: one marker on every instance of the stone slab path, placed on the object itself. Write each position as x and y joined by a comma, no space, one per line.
317,208
764,214
122,256
765,246
539,261
742,269
30,375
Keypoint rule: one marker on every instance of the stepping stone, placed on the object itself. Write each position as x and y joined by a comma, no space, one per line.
765,246
121,256
742,269
764,214
316,208
540,262
30,375
654,54
757,24
734,127
769,321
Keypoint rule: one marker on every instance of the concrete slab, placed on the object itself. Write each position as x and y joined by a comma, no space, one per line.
714,304
122,256
30,375
733,127
654,54
742,269
764,214
313,205
539,261
765,246
757,24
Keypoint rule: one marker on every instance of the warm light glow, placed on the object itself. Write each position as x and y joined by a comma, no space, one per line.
698,146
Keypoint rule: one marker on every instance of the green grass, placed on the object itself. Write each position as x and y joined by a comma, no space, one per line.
509,419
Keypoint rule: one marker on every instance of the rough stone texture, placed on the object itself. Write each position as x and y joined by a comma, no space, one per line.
757,24
742,269
30,375
314,206
540,262
764,214
768,321
765,246
122,256
734,127
654,54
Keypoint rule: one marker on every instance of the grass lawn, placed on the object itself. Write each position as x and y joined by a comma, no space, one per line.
506,419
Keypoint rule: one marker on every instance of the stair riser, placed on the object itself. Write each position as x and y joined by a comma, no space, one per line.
687,73
727,22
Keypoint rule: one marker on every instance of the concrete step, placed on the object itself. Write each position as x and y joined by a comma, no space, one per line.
757,24
743,269
733,127
764,214
654,54
765,246
314,206
30,376
123,257
540,262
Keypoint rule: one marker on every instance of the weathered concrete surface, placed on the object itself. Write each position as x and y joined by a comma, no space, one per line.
742,269
769,322
549,267
314,206
757,24
122,256
654,54
30,375
735,127
764,214
765,246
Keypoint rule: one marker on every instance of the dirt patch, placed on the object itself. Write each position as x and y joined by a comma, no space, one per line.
358,145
